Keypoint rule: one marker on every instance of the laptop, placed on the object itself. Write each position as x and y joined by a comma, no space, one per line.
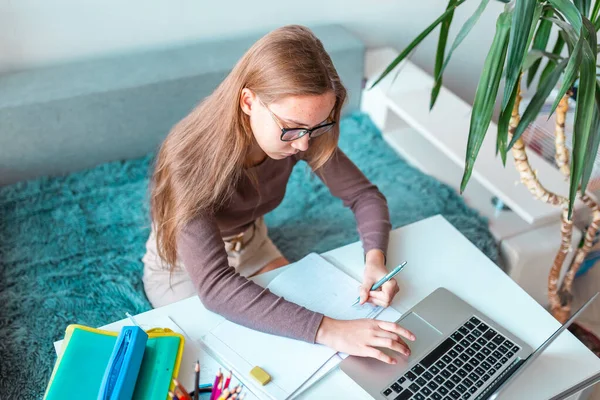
459,353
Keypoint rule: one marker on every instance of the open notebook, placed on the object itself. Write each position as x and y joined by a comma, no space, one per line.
315,284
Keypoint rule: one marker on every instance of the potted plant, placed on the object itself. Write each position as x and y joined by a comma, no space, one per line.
519,48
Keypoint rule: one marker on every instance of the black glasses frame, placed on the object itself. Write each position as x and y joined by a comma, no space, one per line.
306,131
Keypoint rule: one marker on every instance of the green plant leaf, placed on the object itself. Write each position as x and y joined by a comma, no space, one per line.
583,6
522,21
415,42
593,141
571,36
439,55
532,57
586,7
556,50
486,92
462,34
595,11
570,74
535,55
503,122
563,36
590,34
587,81
537,101
584,112
540,41
571,13
506,114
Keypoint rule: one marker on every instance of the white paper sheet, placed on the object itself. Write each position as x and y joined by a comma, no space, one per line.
315,284
320,374
318,285
289,362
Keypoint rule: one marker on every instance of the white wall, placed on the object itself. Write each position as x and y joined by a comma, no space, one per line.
38,32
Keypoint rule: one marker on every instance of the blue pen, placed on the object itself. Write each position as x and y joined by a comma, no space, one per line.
383,280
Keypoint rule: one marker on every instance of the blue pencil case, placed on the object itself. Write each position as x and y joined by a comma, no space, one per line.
124,365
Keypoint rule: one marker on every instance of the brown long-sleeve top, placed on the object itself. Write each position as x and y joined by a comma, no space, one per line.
222,290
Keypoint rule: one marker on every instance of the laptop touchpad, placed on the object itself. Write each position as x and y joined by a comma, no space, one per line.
426,334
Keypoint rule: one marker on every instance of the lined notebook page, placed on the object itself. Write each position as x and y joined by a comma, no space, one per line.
313,283
318,285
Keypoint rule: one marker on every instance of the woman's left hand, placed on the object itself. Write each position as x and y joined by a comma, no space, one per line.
374,270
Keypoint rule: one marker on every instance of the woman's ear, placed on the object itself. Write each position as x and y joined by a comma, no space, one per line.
247,100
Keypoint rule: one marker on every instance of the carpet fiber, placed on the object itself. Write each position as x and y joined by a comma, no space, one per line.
70,247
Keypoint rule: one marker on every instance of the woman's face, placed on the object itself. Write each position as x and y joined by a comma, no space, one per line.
307,111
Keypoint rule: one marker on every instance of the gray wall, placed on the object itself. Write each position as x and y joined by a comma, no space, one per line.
34,32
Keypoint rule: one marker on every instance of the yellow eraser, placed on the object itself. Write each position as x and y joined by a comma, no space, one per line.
260,375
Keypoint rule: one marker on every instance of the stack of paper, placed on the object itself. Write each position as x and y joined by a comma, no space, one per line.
315,284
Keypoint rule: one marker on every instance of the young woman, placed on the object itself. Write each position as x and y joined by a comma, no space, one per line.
227,163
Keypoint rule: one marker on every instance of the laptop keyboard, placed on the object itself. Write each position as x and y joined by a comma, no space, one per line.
457,367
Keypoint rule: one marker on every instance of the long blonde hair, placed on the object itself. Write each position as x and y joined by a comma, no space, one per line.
203,156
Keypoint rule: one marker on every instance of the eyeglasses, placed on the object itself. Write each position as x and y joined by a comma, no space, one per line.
291,134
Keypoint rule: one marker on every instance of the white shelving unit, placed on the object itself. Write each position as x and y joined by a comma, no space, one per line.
435,141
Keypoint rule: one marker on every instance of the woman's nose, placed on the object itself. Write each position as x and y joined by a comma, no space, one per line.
302,143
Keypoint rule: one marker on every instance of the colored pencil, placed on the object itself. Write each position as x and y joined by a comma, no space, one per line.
179,388
178,394
236,389
196,386
213,395
181,395
220,387
227,381
224,395
172,395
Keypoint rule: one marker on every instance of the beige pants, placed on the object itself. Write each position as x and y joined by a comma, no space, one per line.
248,253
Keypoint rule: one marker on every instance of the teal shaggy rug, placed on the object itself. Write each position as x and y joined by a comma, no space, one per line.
70,247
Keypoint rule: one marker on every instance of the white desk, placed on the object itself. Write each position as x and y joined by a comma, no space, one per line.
439,255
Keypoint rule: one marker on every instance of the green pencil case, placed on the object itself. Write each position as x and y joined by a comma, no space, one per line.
86,351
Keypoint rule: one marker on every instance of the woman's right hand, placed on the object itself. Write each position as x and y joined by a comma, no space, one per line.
361,337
